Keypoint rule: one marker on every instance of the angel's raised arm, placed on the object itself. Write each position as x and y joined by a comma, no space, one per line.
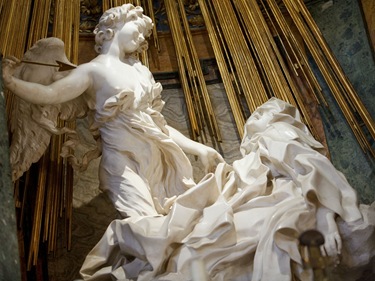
63,90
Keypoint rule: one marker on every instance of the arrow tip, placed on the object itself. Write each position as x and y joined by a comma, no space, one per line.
64,66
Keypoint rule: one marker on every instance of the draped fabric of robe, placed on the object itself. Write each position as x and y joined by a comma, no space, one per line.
242,222
140,165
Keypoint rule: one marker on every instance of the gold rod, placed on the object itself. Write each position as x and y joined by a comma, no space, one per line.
198,74
260,34
223,68
353,97
326,72
245,67
180,48
294,47
23,27
295,95
37,30
154,31
38,213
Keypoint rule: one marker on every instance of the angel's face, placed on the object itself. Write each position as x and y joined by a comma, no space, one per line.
131,37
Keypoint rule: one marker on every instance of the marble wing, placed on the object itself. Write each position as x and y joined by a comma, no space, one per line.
32,125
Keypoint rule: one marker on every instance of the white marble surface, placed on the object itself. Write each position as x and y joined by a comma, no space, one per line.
93,211
243,220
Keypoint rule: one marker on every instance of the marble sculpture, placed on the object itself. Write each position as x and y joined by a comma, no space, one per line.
241,220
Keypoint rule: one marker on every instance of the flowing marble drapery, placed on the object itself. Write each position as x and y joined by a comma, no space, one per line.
242,221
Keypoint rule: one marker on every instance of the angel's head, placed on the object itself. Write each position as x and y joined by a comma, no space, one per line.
128,23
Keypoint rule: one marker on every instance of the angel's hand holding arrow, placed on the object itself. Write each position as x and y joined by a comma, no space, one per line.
9,65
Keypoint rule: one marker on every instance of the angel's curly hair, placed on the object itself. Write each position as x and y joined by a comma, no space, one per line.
115,18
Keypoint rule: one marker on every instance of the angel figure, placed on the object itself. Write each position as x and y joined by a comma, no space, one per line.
241,220
32,125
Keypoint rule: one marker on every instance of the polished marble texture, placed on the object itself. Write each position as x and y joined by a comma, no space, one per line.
342,26
93,211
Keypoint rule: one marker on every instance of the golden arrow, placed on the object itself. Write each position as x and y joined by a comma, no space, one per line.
61,65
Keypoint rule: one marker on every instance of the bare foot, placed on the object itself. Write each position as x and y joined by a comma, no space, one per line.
326,224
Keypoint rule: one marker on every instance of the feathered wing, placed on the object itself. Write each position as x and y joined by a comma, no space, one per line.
33,125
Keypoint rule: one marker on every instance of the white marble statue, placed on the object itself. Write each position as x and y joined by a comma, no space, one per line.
241,220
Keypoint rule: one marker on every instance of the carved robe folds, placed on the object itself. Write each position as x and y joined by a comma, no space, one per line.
243,221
